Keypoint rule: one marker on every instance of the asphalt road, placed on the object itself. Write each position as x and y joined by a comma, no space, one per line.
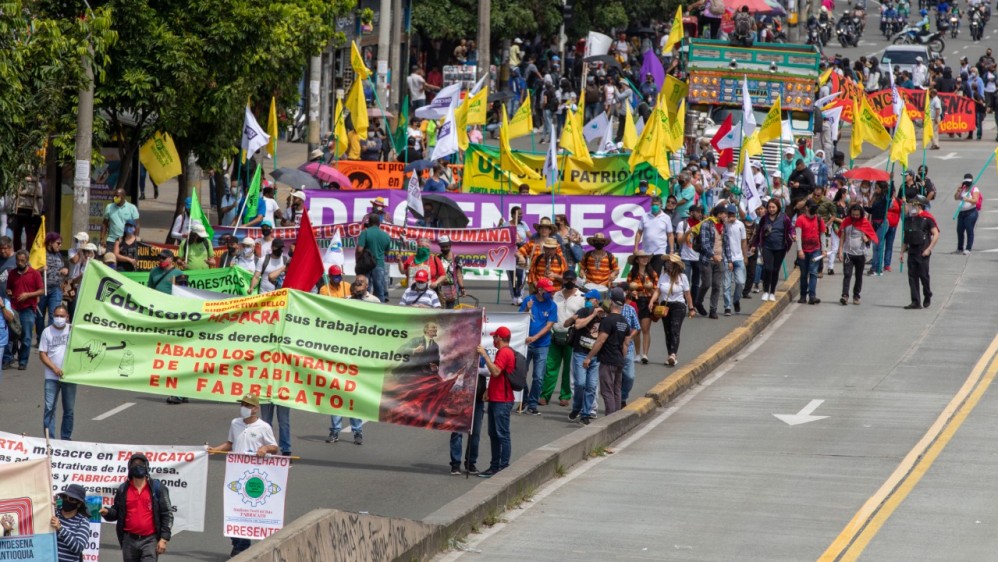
719,477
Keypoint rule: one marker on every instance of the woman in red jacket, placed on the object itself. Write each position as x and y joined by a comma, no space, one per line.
893,217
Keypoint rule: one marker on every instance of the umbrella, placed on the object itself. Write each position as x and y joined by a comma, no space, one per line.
867,174
295,178
640,31
500,96
326,173
448,212
376,112
418,165
757,7
605,59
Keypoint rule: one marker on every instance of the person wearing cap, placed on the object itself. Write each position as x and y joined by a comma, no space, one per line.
24,285
734,275
789,162
196,250
543,315
109,260
779,189
451,286
71,524
245,257
801,182
267,238
419,293
918,239
585,379
292,215
335,286
610,348
316,156
126,248
75,253
269,274
810,238
567,301
655,235
377,242
142,513
819,169
162,277
715,259
116,214
248,435
500,398
919,73
182,222
598,265
969,198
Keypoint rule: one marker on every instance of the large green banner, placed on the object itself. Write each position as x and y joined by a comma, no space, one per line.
408,366
231,280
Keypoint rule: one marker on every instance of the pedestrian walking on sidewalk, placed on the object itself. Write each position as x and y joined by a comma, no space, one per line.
810,240
773,238
673,293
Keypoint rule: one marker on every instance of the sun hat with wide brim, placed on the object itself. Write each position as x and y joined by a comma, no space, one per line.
639,254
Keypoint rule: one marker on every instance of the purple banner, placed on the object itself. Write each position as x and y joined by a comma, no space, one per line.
617,217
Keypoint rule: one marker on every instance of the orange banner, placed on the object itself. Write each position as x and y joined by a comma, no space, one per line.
958,111
366,174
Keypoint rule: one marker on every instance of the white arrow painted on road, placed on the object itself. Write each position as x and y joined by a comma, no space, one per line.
803,416
949,156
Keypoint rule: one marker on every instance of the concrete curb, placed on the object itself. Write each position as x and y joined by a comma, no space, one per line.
490,499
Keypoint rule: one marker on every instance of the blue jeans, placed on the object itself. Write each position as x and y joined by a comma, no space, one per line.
27,317
538,356
337,424
692,270
889,245
585,383
377,278
52,390
502,446
283,423
457,439
627,383
47,303
736,277
877,263
965,223
808,274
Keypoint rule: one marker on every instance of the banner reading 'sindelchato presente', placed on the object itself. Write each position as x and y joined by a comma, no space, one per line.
407,366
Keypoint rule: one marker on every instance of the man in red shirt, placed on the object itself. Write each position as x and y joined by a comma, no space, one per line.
143,513
24,286
500,399
810,229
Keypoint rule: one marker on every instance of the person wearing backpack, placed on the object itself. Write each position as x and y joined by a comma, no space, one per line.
543,315
508,364
142,513
970,205
583,332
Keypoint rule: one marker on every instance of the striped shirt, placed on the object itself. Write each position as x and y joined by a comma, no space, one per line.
73,537
597,267
427,298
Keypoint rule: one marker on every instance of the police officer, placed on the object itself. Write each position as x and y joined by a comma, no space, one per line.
919,237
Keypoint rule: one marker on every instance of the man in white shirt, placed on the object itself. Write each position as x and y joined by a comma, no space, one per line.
734,277
655,235
247,256
417,88
272,210
568,301
919,73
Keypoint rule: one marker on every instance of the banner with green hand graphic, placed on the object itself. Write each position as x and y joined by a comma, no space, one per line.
401,365
232,280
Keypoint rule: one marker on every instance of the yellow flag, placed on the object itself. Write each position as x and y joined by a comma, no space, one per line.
856,142
507,160
630,138
160,158
772,125
572,139
825,76
478,107
357,62
357,106
651,147
340,130
272,128
677,128
461,122
522,122
903,143
873,128
674,91
752,146
38,256
675,33
927,132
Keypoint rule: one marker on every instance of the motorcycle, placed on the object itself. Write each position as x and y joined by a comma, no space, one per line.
825,30
976,26
814,33
954,26
846,32
911,35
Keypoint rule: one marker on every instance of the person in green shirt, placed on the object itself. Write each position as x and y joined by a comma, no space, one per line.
377,242
163,275
196,251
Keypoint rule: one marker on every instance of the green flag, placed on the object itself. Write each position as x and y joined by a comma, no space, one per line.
252,197
402,127
197,215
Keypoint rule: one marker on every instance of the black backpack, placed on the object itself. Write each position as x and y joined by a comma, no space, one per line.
518,378
697,241
365,262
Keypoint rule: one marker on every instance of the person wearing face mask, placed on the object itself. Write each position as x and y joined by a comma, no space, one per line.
182,223
71,524
110,261
162,277
246,257
810,230
52,352
248,435
370,149
142,513
655,235
55,275
567,301
230,202
24,286
918,238
197,250
116,214
264,242
126,248
292,215
335,286
424,260
359,290
268,275
419,293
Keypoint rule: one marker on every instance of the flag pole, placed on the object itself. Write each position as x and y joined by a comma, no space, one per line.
976,179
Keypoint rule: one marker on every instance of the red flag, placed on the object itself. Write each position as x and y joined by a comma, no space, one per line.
305,268
724,142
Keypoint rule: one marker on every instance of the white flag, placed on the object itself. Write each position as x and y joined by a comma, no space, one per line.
606,143
334,253
748,116
597,44
639,126
895,95
445,99
480,84
254,138
414,199
822,102
596,128
834,116
750,192
786,132
551,162
446,138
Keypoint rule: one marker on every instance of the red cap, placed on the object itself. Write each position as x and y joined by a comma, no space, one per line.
544,284
502,332
422,276
335,270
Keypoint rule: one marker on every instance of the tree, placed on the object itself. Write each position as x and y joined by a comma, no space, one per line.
456,19
41,69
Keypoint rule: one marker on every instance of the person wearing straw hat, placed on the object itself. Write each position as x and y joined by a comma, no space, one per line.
599,266
196,252
379,207
673,292
641,282
550,265
532,249
71,524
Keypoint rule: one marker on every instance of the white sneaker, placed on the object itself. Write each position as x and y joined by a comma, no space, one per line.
765,297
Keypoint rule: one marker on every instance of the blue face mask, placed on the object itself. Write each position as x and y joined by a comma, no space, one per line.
655,209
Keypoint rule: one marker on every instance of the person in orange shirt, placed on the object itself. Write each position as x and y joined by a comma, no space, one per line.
532,249
549,265
335,286
599,266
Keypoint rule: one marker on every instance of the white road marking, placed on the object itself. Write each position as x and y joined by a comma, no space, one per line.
114,411
803,416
